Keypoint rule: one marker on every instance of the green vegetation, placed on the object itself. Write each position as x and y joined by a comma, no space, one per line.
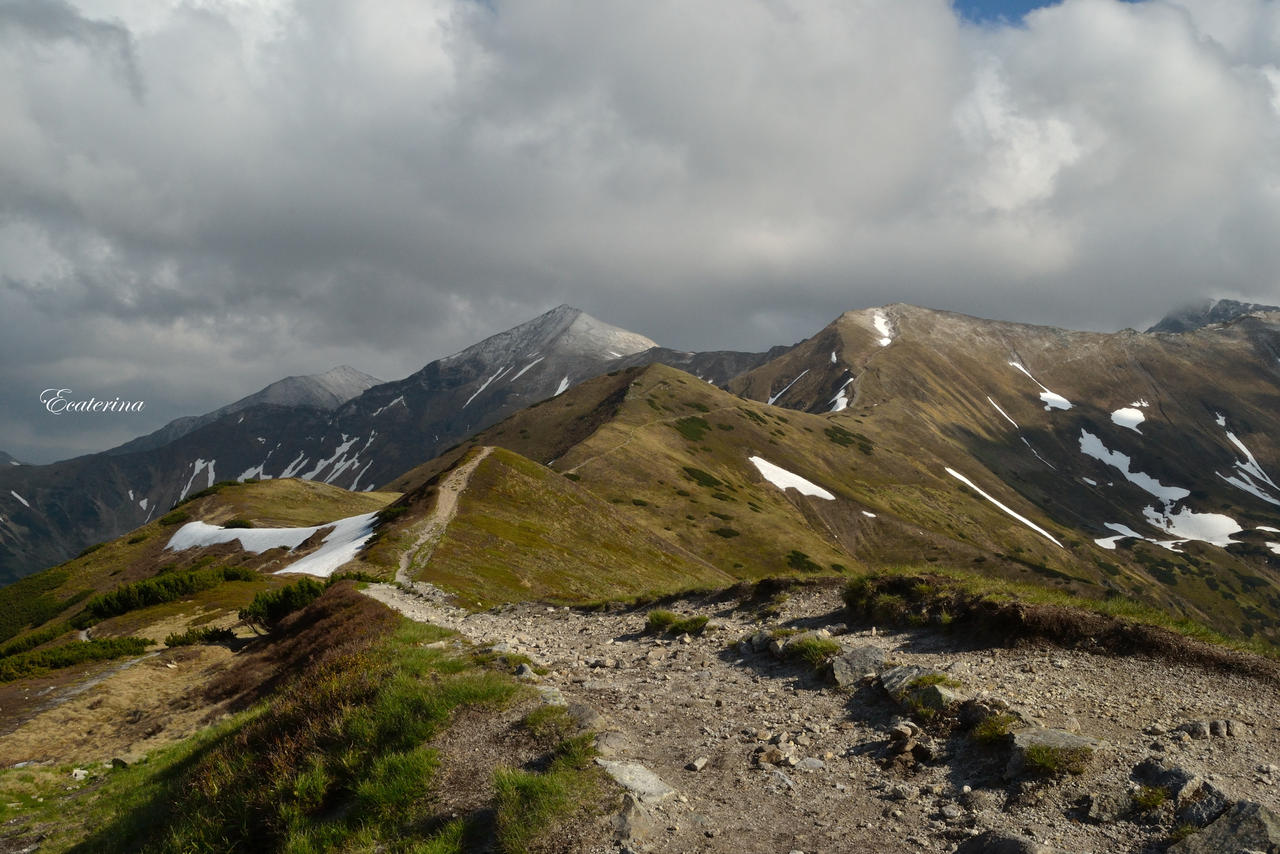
813,651
175,517
200,635
39,661
271,606
932,679
995,728
165,587
237,523
801,562
340,759
30,601
692,428
528,803
31,640
1150,798
725,532
702,478
669,622
90,550
1048,761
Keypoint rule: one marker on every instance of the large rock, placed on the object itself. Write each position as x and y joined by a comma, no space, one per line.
896,680
1247,826
1178,782
647,786
1049,751
856,664
997,842
1204,806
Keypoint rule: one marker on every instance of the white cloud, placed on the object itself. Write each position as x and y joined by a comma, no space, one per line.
380,183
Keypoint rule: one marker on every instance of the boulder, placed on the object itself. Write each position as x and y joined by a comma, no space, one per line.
1042,751
1247,826
1204,806
998,842
853,666
647,786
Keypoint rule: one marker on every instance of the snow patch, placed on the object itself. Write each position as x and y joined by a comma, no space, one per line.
1002,412
787,386
563,387
1186,525
884,328
1023,519
341,545
199,466
131,495
1129,417
520,372
841,400
833,357
868,514
1275,548
785,480
1249,476
485,385
1092,446
143,504
381,409
1268,530
339,456
1089,481
1124,533
20,498
1050,399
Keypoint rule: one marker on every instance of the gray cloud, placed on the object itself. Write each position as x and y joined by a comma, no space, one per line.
324,181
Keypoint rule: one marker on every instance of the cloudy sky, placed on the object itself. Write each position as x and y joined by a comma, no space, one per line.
200,196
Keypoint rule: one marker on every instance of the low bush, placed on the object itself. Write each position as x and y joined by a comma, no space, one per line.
200,635
39,661
669,622
813,651
167,587
271,606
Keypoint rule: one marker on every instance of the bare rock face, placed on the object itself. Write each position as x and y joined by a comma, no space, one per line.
1247,826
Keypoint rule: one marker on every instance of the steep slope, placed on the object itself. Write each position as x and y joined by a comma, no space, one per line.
292,429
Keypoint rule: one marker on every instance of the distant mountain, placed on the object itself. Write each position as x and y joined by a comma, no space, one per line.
8,460
1206,312
321,391
294,429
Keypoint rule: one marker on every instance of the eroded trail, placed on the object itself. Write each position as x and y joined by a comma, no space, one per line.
674,704
441,515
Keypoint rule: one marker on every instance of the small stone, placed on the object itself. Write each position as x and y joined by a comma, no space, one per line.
697,764
1195,729
647,786
951,812
810,764
79,774
524,671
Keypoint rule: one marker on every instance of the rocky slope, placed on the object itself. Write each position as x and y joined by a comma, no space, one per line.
1209,311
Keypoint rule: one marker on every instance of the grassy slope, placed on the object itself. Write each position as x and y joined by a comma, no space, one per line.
343,756
525,532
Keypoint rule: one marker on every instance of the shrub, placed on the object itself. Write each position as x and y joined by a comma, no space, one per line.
175,517
271,606
726,532
90,550
166,587
40,661
237,523
702,478
137,538
801,562
692,428
201,635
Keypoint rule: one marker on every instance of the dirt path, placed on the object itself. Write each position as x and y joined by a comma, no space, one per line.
441,515
666,702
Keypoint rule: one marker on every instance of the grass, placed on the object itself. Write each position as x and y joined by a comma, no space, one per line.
339,759
995,728
669,622
813,651
933,679
1048,761
529,803
1150,798
894,595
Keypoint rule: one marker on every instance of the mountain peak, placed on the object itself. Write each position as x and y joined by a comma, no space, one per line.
1207,311
565,330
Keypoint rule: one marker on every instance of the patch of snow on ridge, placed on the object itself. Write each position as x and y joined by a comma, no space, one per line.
884,328
787,386
520,372
1089,481
381,409
339,456
484,385
1002,412
143,504
1188,525
294,467
198,467
341,545
1268,530
1123,533
1091,445
1275,547
785,480
833,357
841,400
1249,475
20,498
131,495
563,387
1023,519
1129,417
1050,399
868,514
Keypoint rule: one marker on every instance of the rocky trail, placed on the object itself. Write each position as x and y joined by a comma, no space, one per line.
728,743
446,507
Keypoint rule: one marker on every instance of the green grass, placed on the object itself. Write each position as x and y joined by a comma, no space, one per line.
692,428
166,587
669,622
1048,761
1149,798
812,651
528,803
339,760
995,728
933,679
